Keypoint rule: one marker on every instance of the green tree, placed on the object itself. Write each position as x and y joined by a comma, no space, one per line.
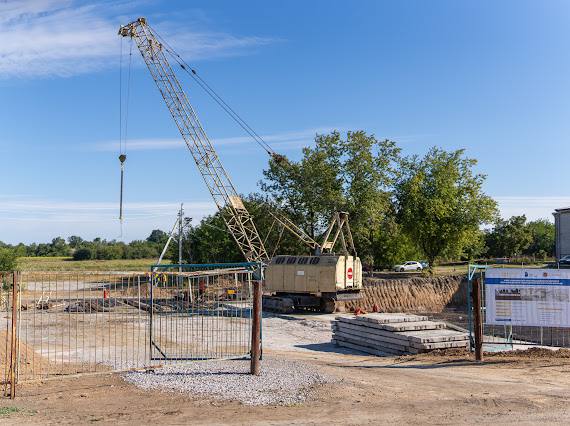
355,174
369,169
509,237
440,202
391,245
83,253
8,259
209,242
74,241
310,190
543,238
59,247
158,237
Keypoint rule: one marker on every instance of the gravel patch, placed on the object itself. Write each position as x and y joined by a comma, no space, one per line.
280,382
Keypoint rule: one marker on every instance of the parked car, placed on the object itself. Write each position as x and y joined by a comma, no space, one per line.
409,266
564,260
424,263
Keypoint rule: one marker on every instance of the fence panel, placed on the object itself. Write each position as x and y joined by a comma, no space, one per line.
201,315
7,375
68,323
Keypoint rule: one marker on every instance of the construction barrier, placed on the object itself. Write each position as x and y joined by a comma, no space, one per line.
64,323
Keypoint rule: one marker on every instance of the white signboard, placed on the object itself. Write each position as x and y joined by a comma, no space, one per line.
533,297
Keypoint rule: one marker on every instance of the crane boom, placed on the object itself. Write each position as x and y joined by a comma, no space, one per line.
238,220
296,230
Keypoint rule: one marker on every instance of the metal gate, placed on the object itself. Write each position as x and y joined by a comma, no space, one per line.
201,315
56,324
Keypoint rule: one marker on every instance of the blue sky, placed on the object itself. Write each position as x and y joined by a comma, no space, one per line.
490,77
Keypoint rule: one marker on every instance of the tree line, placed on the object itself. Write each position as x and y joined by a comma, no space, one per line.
430,207
79,249
401,207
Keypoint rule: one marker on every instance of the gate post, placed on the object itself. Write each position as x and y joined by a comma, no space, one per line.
14,337
478,319
256,329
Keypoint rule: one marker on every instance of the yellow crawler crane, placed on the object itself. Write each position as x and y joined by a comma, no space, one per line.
320,282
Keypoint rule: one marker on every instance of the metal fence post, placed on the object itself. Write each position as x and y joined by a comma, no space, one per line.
478,319
256,329
14,337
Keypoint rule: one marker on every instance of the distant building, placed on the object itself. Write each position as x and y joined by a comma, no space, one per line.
562,225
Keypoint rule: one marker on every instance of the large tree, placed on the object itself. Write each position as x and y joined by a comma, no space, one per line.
309,190
353,174
543,238
441,203
509,237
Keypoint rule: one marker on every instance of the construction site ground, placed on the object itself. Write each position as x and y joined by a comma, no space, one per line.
440,388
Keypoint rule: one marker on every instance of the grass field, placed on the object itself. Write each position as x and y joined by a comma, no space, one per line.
67,264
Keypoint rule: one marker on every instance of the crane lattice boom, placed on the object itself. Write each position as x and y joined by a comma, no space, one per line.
237,218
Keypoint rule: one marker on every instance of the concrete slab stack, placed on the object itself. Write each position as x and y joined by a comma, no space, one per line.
395,334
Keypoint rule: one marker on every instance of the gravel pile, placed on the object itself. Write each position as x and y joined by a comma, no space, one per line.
280,383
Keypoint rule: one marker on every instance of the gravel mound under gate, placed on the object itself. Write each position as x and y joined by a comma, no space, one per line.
280,383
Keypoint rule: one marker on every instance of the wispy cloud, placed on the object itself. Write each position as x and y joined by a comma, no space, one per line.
538,207
280,141
29,219
63,211
64,38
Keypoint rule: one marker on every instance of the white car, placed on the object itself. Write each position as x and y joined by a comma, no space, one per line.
408,266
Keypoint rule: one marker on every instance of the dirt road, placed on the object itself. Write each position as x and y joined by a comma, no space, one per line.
434,389
442,390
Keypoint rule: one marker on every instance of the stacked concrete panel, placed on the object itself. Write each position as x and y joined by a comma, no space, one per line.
395,334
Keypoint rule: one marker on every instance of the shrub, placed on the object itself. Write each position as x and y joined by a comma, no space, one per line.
83,253
8,259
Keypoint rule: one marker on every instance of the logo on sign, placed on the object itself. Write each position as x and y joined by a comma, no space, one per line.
349,273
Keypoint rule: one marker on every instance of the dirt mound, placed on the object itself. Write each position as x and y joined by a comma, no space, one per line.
416,294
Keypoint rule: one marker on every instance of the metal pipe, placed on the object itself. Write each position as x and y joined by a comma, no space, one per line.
256,330
13,347
478,319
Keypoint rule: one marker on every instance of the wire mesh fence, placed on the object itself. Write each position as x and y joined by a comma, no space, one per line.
62,323
200,315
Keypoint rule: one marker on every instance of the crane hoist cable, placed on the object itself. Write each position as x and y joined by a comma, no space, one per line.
123,124
216,97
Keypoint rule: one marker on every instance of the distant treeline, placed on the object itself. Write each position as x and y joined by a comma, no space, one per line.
98,249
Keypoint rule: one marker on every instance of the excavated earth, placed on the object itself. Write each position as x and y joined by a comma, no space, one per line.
413,294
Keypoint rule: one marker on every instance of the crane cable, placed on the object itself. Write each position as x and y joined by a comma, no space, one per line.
123,132
216,97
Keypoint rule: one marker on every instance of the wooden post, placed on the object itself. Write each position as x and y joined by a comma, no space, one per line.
478,319
14,337
256,329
